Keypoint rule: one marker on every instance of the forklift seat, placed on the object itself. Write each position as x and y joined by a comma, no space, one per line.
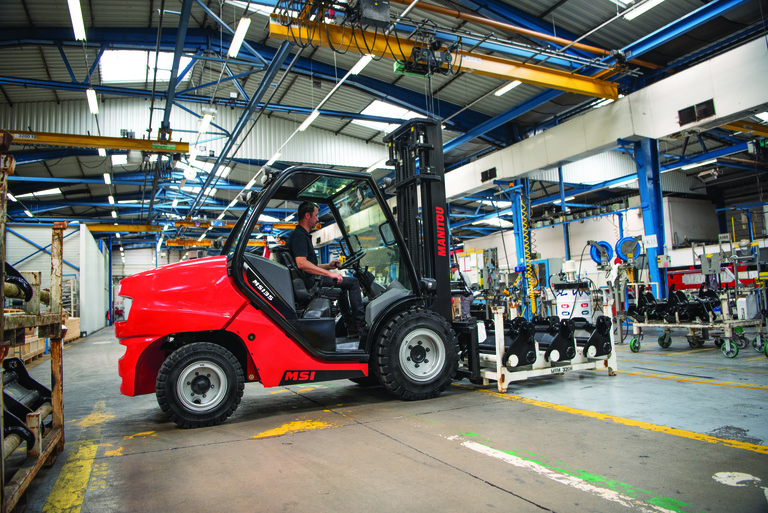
303,296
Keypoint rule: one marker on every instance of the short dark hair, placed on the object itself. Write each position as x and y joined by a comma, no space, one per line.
306,207
454,265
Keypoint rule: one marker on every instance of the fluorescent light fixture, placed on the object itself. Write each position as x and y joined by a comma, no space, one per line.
102,152
763,116
29,213
622,184
221,216
114,215
205,123
107,179
602,103
119,160
76,14
117,234
47,192
274,159
189,173
175,202
309,120
165,227
201,238
620,3
384,109
289,217
192,154
507,88
361,64
643,8
697,164
111,199
232,203
237,40
11,196
250,183
93,102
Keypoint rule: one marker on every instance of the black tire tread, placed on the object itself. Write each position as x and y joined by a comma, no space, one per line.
195,349
387,373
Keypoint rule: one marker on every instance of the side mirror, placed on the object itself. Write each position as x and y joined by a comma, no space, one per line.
386,234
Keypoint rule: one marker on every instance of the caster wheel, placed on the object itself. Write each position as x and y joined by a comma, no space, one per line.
730,350
665,340
740,341
718,342
634,345
759,343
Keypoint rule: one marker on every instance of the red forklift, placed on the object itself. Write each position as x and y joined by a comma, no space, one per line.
196,331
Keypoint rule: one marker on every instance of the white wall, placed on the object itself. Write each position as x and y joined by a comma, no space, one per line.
94,282
18,249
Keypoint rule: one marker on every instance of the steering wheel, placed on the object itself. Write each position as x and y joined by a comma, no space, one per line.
353,260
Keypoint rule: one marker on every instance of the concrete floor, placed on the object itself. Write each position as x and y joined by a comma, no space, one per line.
666,434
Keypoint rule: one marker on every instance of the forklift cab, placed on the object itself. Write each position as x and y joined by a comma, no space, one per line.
368,239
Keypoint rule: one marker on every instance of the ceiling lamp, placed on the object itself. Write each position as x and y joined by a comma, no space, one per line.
237,40
507,88
76,14
361,64
93,103
641,8
114,215
107,179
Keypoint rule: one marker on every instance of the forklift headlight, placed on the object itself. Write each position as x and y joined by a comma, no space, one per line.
127,302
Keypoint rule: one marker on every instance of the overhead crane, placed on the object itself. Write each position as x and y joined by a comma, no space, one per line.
389,45
97,141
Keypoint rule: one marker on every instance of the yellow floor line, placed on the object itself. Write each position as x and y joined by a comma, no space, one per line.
671,378
762,449
698,366
69,491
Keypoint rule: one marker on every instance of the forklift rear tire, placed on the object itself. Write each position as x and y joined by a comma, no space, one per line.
417,355
200,385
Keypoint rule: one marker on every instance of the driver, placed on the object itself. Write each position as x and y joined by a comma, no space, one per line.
300,245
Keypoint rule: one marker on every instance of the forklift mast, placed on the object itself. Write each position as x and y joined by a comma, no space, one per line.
416,152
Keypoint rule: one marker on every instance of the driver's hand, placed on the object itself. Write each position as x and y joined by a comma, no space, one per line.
338,277
335,263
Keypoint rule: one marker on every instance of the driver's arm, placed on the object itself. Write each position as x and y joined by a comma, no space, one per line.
308,267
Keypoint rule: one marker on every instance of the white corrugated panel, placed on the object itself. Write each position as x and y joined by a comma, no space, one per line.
94,282
592,170
311,146
24,255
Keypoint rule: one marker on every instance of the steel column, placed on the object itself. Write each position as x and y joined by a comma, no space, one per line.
649,181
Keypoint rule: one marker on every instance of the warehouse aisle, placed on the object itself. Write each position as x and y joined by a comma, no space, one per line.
673,432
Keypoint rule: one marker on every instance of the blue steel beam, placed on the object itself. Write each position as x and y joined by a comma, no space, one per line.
246,46
145,39
165,124
277,63
702,15
39,247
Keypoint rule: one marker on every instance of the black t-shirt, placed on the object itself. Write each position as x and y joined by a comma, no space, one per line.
300,245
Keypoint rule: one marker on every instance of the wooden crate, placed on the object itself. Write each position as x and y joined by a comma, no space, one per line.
73,329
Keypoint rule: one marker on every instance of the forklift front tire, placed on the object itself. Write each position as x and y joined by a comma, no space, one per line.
200,385
417,355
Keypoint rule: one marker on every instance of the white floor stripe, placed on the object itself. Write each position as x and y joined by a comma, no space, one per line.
575,482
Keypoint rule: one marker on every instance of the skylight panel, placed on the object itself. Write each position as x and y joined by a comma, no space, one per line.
121,66
384,109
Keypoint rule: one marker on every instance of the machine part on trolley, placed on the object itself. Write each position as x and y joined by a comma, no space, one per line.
695,341
598,341
555,337
519,342
634,345
729,349
22,395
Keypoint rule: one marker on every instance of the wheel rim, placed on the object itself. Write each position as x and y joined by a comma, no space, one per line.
422,355
201,386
